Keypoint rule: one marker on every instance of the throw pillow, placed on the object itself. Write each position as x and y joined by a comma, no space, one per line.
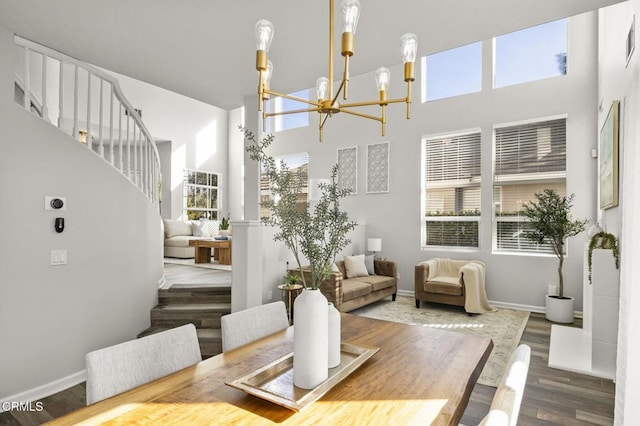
334,267
355,266
200,229
368,262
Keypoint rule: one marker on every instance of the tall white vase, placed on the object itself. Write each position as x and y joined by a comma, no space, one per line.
334,336
310,339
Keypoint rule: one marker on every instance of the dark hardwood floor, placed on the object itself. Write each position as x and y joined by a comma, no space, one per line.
552,397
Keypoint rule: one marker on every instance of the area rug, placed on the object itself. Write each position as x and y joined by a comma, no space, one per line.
505,327
191,262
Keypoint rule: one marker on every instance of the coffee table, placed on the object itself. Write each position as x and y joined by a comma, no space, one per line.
203,251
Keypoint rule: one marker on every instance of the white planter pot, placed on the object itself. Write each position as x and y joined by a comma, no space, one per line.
559,310
334,336
310,339
223,232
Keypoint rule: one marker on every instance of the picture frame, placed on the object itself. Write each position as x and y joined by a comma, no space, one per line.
348,169
378,168
608,159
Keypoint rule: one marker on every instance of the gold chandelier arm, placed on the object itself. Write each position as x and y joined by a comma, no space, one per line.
408,99
360,104
293,111
335,98
359,114
293,98
345,78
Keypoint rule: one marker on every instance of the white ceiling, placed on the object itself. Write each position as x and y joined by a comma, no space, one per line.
205,49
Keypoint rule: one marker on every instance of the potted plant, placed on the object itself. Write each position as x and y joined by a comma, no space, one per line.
317,233
603,240
224,226
551,223
291,280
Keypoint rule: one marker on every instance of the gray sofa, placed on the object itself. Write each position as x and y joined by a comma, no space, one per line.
348,294
178,233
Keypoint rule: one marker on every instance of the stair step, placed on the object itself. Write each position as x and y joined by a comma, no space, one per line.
202,315
194,293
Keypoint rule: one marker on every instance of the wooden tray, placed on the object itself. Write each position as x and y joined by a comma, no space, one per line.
274,382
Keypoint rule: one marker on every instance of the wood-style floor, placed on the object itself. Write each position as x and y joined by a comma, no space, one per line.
552,397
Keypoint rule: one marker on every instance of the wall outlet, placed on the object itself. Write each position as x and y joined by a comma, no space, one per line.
58,257
270,295
398,275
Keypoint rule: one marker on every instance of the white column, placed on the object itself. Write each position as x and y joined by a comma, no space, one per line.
246,275
251,168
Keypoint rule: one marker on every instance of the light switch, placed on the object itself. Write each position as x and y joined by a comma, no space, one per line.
58,257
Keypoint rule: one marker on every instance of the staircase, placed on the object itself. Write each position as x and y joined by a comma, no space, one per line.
200,305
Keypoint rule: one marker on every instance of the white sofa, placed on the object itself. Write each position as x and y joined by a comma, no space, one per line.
178,233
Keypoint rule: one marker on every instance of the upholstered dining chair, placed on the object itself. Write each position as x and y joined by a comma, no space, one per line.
118,368
506,402
240,328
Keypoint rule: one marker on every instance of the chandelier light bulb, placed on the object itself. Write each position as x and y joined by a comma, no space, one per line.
322,88
264,34
383,77
350,14
409,42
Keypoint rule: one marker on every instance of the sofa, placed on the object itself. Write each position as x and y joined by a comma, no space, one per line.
348,290
452,282
178,233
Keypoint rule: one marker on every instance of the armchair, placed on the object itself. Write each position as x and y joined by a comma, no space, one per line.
452,282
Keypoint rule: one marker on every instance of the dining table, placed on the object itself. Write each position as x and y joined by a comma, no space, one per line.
419,375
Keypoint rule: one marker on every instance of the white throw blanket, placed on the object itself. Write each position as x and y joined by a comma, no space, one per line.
471,273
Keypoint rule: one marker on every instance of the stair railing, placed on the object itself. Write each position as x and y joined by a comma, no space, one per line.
89,105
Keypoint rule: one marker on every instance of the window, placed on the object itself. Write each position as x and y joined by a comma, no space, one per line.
452,190
297,163
528,158
200,195
452,72
531,54
291,121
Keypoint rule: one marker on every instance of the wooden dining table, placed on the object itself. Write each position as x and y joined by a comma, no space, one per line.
420,376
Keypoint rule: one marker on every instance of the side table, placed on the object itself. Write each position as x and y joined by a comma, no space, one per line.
289,294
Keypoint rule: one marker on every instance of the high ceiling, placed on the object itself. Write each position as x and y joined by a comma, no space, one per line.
205,49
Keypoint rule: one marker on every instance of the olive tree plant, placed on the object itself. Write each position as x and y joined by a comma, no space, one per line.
551,222
317,233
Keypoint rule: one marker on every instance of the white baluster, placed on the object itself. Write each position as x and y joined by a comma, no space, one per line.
76,105
89,139
128,150
100,109
44,111
27,82
120,137
111,126
61,97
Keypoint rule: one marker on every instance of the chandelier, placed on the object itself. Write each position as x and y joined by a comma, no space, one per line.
327,102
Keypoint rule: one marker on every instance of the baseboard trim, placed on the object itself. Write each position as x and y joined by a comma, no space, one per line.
45,390
506,305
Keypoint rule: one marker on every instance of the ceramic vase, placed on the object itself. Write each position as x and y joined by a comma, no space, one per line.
334,336
310,339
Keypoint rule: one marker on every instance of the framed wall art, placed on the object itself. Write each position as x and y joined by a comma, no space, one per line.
608,156
378,168
348,169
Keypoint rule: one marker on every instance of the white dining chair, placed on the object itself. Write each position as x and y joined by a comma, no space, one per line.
240,328
121,367
506,402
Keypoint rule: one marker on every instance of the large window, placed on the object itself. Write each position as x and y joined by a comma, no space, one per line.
452,190
528,158
531,54
298,164
291,121
200,193
452,72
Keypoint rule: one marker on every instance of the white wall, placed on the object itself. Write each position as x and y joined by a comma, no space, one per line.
51,316
395,216
621,81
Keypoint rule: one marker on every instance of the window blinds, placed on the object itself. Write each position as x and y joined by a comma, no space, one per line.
452,190
528,158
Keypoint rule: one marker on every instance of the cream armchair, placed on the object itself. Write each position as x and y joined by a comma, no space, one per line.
452,282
